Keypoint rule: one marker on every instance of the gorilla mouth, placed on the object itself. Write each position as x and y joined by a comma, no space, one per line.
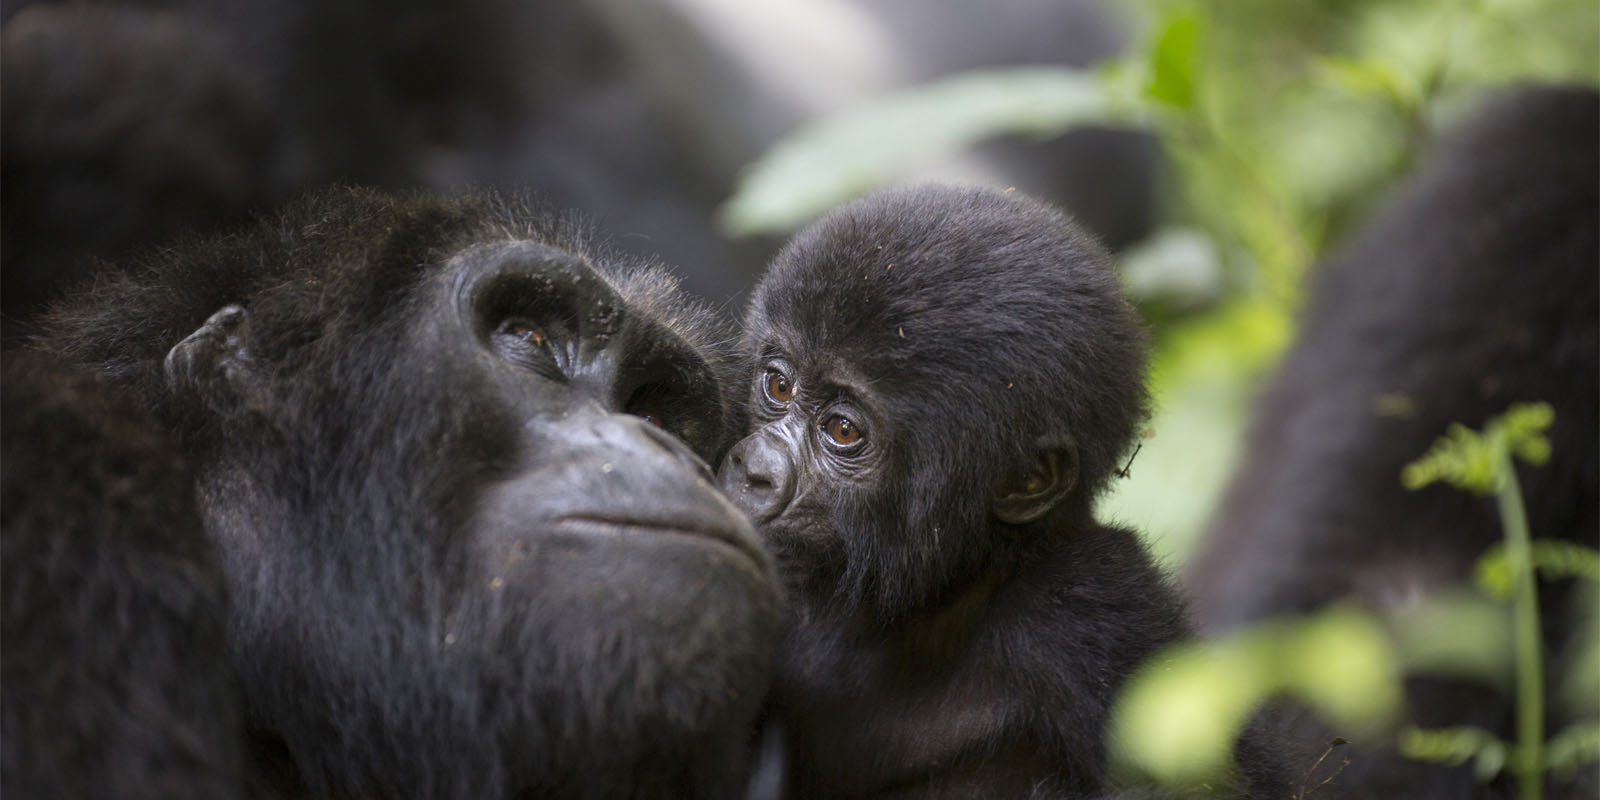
720,532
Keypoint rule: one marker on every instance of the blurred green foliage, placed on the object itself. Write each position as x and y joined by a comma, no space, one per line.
1179,717
1481,462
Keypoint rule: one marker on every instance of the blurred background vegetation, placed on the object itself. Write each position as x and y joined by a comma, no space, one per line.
1283,125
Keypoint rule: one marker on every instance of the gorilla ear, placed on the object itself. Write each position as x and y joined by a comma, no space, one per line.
1024,498
213,358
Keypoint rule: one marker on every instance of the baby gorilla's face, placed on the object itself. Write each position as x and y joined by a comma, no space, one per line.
818,429
819,453
928,368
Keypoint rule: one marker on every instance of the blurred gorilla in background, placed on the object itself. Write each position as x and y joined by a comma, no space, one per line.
1476,288
127,122
119,128
114,675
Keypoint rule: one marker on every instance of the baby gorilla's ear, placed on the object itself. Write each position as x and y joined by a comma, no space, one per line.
1027,496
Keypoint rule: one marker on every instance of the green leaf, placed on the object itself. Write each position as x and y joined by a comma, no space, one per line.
1524,425
1453,746
833,159
1552,558
1470,460
1342,664
1174,60
1577,745
1180,714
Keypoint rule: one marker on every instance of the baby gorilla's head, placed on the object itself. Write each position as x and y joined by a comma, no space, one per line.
928,365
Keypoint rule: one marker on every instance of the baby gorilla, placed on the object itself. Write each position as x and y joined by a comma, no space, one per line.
943,379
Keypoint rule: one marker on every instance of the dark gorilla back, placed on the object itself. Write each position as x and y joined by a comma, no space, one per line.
452,454
1475,289
114,679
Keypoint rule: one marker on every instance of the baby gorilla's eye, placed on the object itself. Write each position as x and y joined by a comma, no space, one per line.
841,430
778,388
652,417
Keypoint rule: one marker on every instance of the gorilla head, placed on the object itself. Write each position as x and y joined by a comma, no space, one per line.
931,364
454,462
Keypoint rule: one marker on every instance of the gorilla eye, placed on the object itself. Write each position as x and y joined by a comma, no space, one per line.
526,343
778,388
525,332
661,405
841,431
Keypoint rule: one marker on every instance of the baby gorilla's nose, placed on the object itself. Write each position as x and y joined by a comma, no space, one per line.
758,477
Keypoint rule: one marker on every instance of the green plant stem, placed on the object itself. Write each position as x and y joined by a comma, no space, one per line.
1525,629
1281,278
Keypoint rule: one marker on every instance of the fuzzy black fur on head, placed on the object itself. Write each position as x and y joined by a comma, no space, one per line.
982,323
462,565
334,264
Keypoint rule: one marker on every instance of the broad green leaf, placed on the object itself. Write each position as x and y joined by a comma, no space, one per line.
835,158
1180,714
1174,60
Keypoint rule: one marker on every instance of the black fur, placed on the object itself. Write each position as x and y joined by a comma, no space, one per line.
1474,289
937,650
457,570
114,679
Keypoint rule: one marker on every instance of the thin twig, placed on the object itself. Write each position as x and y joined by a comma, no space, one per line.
1337,742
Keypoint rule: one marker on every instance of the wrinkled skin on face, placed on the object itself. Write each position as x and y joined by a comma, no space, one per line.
454,460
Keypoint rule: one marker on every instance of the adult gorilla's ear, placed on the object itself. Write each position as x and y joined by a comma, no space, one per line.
1042,486
213,360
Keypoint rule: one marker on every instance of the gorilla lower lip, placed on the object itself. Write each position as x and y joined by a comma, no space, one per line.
614,526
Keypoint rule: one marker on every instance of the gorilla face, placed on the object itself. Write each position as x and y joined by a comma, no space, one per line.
930,369
456,470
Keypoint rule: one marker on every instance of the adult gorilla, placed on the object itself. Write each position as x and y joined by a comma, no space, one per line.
453,461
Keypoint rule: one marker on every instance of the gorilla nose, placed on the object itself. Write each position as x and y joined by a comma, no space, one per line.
758,477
